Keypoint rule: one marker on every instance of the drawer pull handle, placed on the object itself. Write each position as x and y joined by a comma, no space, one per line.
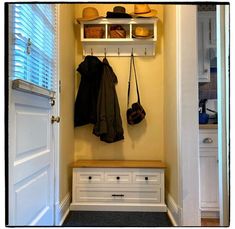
118,178
90,177
207,140
117,195
146,178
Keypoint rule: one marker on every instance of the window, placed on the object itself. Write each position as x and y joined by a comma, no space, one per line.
33,43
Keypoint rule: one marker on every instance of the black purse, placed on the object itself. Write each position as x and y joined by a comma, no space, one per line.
136,113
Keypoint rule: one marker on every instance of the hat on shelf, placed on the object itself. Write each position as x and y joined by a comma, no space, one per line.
89,14
118,12
142,32
143,10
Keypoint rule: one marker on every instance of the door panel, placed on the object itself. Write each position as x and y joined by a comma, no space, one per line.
31,138
28,166
38,201
31,164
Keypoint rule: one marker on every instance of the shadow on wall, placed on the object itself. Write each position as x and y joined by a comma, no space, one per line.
92,148
159,45
135,132
115,150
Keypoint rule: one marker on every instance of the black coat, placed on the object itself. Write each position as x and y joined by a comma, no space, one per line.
109,124
86,102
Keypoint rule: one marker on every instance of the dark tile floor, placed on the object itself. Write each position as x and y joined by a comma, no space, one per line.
116,219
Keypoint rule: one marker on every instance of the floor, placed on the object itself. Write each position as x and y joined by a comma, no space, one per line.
210,222
117,219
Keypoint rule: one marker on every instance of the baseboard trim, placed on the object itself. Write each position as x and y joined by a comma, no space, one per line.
63,209
210,214
95,206
171,218
173,211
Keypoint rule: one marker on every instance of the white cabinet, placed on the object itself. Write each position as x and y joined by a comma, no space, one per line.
102,42
118,189
209,191
206,43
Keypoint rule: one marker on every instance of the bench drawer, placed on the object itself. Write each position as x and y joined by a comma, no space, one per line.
90,178
117,178
147,178
118,196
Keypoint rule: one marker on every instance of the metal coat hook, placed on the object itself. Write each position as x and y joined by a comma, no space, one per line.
118,52
145,52
132,52
105,52
91,51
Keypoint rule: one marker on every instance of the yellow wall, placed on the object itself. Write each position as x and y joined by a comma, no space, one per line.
146,140
170,103
66,74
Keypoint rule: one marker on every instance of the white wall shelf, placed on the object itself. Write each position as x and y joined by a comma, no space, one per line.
120,46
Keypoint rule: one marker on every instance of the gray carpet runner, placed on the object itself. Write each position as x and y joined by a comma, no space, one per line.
116,219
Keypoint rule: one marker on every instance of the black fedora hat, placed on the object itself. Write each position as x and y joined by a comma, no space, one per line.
118,12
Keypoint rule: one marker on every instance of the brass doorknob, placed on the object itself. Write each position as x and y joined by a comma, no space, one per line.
55,119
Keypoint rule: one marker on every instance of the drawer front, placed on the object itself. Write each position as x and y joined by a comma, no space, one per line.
90,178
118,196
208,140
147,178
117,178
143,196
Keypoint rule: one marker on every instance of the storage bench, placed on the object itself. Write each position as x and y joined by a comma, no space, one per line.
118,186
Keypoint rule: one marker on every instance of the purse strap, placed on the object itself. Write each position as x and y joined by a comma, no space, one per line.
132,62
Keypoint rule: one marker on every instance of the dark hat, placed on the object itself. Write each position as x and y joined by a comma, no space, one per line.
118,12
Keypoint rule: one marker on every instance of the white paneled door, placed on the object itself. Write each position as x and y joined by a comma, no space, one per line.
31,160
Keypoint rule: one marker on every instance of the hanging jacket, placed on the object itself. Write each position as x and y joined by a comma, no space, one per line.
86,101
109,124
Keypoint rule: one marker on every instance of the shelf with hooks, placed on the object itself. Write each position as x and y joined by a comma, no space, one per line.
100,41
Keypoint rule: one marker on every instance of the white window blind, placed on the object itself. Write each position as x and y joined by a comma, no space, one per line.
33,44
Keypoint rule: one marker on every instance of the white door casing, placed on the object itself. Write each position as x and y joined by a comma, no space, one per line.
187,115
223,70
31,160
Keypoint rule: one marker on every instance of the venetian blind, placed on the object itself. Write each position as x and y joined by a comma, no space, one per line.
33,43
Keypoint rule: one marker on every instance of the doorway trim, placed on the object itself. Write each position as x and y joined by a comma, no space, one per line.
187,118
187,115
223,110
57,208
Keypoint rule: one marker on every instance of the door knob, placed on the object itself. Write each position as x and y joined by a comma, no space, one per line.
55,119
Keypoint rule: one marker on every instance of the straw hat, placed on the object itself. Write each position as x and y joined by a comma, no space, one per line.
143,10
89,14
142,32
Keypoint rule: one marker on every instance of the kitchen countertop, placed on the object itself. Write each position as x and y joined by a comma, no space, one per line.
208,126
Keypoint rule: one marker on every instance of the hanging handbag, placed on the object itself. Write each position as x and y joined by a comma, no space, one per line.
136,113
